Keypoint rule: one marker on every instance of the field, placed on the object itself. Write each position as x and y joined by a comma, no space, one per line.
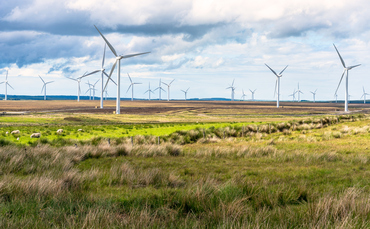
184,164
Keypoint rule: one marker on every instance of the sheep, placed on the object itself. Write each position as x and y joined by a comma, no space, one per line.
15,132
7,133
60,131
80,130
35,135
18,139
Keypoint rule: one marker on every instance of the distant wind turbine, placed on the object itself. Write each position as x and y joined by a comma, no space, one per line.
185,92
132,87
277,83
118,59
44,87
6,86
149,91
90,89
168,88
252,93
336,98
299,92
345,72
232,90
243,96
364,94
293,94
93,86
314,95
78,80
160,89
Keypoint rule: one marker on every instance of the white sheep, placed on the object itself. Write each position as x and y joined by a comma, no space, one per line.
15,132
60,131
80,130
35,135
7,133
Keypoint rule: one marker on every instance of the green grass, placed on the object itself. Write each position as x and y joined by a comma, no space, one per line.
304,178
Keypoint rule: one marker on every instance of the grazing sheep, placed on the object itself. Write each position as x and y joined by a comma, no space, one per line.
80,130
15,132
35,135
60,131
7,133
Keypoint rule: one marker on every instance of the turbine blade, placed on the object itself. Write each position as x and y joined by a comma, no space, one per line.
340,81
163,90
42,88
128,88
10,86
171,81
107,42
283,70
271,70
110,78
354,66
132,55
6,75
129,77
233,82
110,74
250,90
275,86
165,84
42,79
340,57
91,73
49,82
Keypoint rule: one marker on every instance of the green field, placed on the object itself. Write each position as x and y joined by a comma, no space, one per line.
282,172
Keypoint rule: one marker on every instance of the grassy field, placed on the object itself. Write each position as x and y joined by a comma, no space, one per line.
251,172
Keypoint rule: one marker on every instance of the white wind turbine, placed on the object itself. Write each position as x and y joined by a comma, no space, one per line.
160,89
243,96
90,89
132,87
118,59
6,86
364,95
78,80
93,88
232,90
252,93
277,83
346,69
293,95
44,87
299,92
185,92
314,95
149,91
168,88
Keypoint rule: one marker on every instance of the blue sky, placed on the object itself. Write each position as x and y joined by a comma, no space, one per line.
203,45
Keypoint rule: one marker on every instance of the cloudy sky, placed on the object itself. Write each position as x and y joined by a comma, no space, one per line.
203,45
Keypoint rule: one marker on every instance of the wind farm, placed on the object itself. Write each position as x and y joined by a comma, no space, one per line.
213,129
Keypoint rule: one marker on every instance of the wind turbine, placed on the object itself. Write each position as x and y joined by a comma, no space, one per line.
232,90
160,88
293,95
299,92
314,95
346,69
277,83
168,88
118,59
90,88
93,86
78,80
364,95
336,98
6,86
44,86
131,85
185,92
149,91
252,93
244,95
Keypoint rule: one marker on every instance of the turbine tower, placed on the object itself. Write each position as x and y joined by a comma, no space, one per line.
44,87
277,84
244,95
168,88
6,86
299,92
314,95
160,88
132,87
149,91
336,98
364,95
345,72
118,59
252,93
232,90
93,88
78,80
90,88
185,92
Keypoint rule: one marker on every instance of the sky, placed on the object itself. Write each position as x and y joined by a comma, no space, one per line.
202,45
